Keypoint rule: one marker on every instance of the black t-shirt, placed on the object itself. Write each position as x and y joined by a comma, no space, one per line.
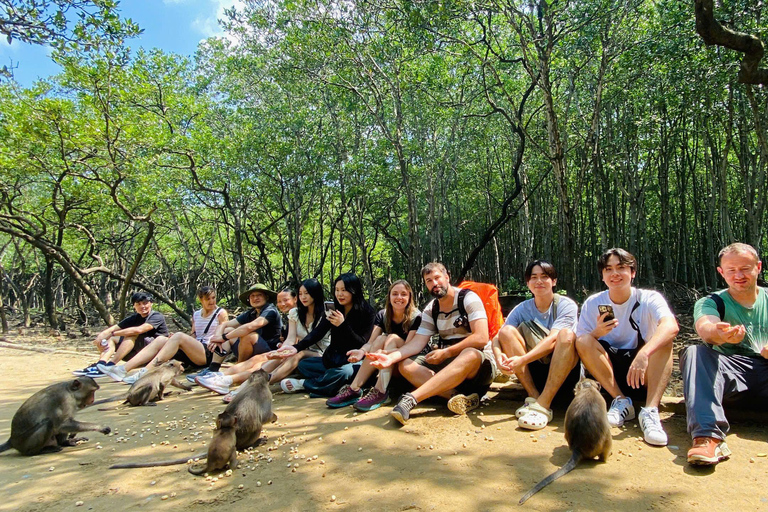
154,318
395,327
270,332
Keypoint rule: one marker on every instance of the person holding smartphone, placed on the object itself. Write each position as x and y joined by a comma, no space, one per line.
628,347
536,343
350,323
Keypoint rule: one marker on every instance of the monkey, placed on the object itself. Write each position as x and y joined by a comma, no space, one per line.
250,409
222,450
45,421
151,386
587,431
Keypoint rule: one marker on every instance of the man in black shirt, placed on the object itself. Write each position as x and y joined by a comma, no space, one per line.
129,336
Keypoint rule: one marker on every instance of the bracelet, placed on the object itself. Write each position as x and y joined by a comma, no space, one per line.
224,336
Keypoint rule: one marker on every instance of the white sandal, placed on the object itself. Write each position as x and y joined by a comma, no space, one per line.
522,411
536,418
292,385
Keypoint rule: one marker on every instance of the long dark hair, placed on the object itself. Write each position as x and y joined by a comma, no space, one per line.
315,290
353,286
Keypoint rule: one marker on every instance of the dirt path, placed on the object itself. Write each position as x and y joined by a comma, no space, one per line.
436,462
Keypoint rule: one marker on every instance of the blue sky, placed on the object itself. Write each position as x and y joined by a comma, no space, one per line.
172,25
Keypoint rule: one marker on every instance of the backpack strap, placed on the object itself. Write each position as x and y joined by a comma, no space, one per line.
462,310
719,303
435,312
640,340
555,302
213,317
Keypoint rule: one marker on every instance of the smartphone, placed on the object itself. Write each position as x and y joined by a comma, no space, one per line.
606,308
329,306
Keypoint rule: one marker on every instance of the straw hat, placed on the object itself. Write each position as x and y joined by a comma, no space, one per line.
258,287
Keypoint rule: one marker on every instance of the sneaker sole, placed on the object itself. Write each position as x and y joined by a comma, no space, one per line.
342,404
461,404
371,407
622,422
721,453
399,417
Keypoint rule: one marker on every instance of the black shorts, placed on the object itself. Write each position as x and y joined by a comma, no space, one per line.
539,373
184,359
621,359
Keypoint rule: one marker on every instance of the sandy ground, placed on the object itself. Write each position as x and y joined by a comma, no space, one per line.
436,462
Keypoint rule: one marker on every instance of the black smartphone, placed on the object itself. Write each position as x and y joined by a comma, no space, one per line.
329,306
606,308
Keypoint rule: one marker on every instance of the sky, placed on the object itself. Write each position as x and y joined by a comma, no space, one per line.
171,25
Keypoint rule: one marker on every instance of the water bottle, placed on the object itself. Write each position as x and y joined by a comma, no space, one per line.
104,344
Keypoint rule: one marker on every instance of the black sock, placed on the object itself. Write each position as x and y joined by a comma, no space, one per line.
214,367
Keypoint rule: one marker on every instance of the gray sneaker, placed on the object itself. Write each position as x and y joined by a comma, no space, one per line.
131,379
402,411
116,372
202,373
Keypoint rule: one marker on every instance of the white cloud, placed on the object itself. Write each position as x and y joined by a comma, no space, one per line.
208,24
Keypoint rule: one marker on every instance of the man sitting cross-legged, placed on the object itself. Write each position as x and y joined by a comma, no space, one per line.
459,369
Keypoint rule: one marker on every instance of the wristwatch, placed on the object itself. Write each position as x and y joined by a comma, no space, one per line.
224,336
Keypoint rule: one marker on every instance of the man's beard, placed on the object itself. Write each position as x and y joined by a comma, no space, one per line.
438,292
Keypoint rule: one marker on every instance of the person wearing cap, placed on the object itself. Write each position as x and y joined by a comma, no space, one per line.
255,331
127,337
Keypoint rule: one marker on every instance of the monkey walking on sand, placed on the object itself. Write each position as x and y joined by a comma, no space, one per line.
587,431
45,422
237,428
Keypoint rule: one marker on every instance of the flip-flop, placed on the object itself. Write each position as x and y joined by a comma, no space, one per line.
291,385
536,418
521,411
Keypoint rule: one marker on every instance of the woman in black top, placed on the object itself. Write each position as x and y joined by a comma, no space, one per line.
393,326
350,323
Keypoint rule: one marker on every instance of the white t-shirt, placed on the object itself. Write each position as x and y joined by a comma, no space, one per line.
647,316
448,326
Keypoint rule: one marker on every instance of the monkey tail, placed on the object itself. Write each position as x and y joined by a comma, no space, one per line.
5,446
199,470
575,459
134,465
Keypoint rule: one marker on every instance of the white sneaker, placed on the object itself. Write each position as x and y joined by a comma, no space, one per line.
653,432
620,411
131,379
115,372
216,382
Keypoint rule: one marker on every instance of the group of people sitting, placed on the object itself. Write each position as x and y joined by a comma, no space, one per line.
347,352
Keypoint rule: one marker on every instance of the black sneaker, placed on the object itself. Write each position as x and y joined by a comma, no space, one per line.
402,411
85,371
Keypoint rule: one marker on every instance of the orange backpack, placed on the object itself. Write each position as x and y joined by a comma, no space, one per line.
489,294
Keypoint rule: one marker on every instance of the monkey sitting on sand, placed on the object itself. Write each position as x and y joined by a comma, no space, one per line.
45,422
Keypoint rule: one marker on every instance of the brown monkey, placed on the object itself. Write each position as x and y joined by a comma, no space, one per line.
251,408
222,450
587,431
45,422
151,386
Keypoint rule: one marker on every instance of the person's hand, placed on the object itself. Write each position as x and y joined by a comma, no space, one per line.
355,356
604,326
502,363
637,370
215,345
437,356
335,317
283,352
764,352
514,363
380,360
216,338
733,334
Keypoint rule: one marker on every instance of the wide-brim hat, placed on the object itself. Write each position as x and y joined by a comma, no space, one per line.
258,287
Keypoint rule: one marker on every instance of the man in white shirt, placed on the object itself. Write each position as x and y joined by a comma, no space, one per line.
457,369
625,335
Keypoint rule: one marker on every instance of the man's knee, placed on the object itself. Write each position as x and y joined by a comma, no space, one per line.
566,338
586,344
508,334
697,355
